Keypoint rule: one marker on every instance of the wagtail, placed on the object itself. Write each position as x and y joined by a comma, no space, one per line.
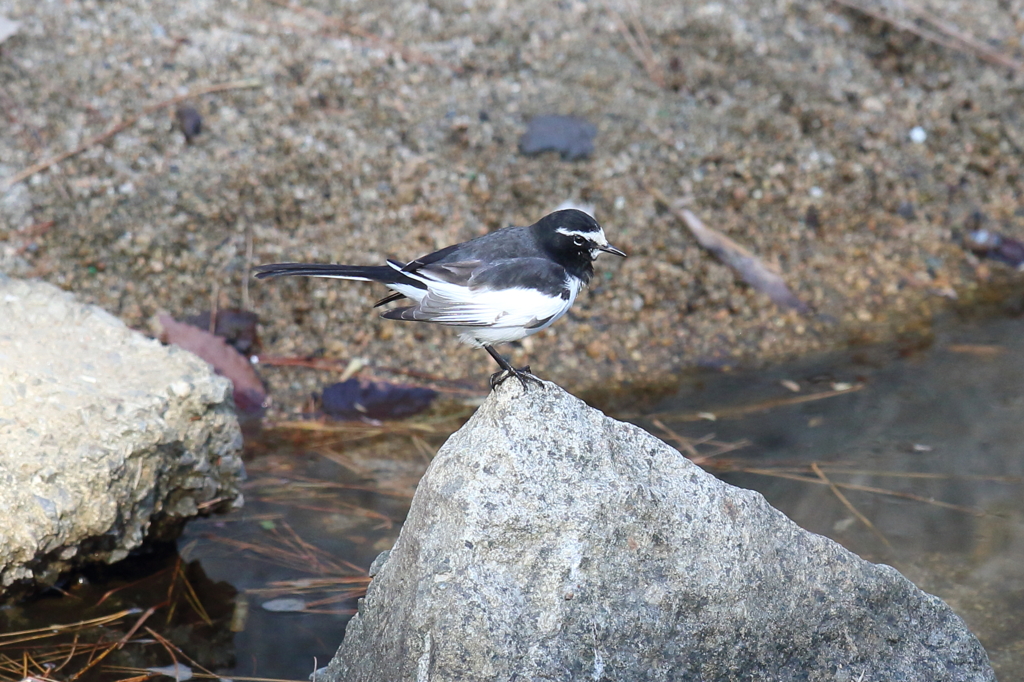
497,288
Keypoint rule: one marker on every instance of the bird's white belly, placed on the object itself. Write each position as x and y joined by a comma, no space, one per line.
515,314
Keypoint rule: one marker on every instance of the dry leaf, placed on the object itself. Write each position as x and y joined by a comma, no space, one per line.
250,396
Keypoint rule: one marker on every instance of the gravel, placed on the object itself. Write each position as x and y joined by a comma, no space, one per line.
841,150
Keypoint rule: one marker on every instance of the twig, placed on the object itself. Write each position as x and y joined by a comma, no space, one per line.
925,474
690,444
111,592
945,34
750,268
50,630
215,305
138,624
846,503
981,350
71,654
124,125
640,44
246,303
865,489
742,410
681,441
94,661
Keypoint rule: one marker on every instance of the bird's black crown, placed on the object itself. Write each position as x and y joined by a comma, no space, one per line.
569,237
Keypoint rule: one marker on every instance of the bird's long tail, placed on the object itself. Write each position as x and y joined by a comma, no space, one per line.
365,273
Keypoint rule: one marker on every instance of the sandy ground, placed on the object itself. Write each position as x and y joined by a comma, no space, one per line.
786,125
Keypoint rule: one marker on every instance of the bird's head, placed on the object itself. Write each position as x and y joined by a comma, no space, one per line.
572,235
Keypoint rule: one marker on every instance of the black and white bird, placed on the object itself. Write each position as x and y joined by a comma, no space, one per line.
497,288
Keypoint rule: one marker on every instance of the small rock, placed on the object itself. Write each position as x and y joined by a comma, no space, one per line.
111,437
570,136
812,219
190,122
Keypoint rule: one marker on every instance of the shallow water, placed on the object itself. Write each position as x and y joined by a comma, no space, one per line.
942,423
308,533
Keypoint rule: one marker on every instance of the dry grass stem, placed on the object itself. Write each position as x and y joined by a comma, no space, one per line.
980,350
340,433
928,475
934,29
849,505
138,624
291,551
760,471
17,637
743,410
94,661
315,484
346,584
689,445
638,41
386,522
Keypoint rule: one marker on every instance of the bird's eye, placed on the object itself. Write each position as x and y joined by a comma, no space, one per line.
579,241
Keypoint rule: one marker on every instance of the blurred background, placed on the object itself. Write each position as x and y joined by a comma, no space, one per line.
866,154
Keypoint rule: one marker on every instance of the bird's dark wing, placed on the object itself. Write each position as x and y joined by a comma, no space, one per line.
542,274
506,243
414,265
459,273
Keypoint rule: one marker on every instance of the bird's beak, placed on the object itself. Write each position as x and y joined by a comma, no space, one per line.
608,248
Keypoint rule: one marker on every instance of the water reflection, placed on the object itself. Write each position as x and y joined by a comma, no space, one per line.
308,532
945,424
120,619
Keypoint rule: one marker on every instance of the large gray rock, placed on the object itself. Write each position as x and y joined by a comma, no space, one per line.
549,542
106,436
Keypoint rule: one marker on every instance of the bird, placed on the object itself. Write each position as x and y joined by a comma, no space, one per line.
496,288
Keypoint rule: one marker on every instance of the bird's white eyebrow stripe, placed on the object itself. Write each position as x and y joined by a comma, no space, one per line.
596,235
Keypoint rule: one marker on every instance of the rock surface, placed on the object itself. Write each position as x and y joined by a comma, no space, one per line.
106,436
549,542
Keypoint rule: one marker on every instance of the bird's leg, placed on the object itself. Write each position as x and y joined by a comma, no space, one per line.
507,370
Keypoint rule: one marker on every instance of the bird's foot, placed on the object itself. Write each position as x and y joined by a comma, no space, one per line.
524,375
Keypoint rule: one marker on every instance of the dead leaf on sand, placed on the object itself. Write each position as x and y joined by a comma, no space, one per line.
250,396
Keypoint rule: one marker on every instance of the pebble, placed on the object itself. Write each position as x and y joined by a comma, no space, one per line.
570,136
